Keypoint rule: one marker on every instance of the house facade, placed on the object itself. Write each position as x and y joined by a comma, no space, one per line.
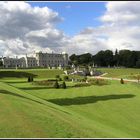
40,60
13,62
51,59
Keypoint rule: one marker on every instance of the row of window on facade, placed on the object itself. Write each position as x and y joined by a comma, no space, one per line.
51,61
51,55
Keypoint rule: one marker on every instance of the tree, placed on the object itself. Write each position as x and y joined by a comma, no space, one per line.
116,58
104,58
1,64
124,56
138,64
83,59
74,59
108,58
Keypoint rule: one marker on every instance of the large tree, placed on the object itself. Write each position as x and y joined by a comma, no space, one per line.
106,58
82,59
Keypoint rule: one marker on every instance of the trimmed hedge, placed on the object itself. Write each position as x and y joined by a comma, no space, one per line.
99,82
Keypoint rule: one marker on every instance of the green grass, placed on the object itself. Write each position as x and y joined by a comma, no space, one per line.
120,72
24,115
109,111
37,73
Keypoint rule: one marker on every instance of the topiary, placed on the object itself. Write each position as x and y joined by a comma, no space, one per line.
122,81
56,85
64,85
60,79
57,76
29,80
65,78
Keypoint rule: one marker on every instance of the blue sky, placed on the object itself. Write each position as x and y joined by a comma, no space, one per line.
77,15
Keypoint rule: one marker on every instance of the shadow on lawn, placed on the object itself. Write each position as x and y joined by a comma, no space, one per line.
16,74
15,82
17,95
41,87
36,88
13,94
89,99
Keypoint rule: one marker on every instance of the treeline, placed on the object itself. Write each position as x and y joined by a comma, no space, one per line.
122,58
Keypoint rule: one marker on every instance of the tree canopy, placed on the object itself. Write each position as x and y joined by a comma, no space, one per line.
105,58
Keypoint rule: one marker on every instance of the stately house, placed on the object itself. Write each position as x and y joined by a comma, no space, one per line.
40,60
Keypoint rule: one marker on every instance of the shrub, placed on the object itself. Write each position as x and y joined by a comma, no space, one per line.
29,80
44,83
77,78
57,76
84,79
56,85
65,78
52,80
67,67
82,85
122,81
99,82
63,85
138,78
60,79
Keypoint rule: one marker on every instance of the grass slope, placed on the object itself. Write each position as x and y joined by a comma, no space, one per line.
25,115
120,72
109,111
24,73
27,110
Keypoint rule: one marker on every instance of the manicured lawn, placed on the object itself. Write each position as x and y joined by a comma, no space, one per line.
109,111
23,115
36,73
120,72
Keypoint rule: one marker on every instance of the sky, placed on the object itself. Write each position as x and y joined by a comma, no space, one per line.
76,15
72,27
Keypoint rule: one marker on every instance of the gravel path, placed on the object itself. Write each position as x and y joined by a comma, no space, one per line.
111,78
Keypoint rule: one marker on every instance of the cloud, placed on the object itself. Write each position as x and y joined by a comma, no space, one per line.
49,37
25,29
122,25
19,19
120,29
122,12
